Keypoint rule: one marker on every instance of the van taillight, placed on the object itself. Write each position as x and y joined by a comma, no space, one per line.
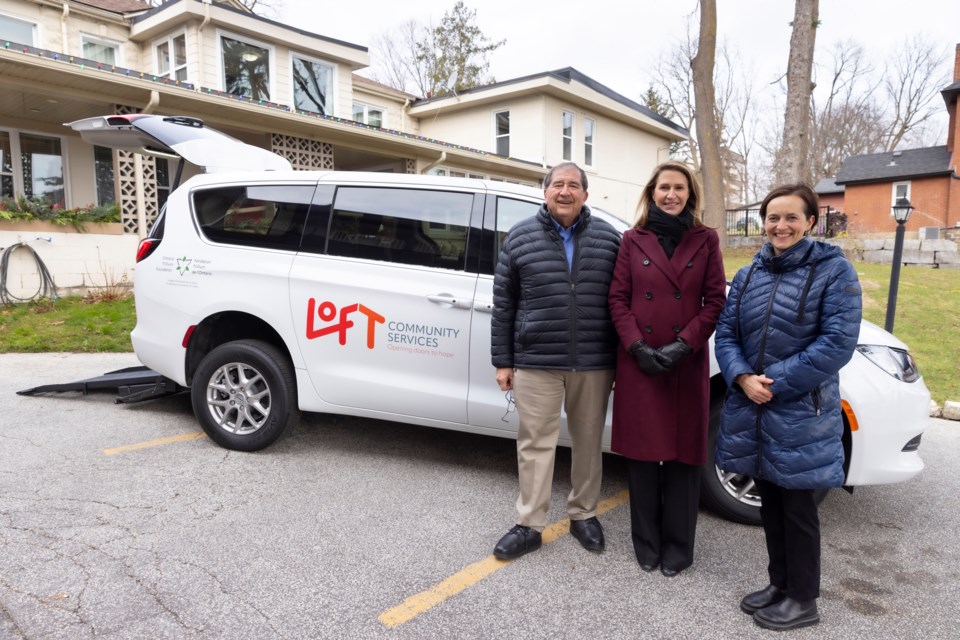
147,246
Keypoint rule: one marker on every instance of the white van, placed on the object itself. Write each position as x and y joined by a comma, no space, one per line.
268,292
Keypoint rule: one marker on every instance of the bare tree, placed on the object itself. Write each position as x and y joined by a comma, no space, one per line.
848,121
395,62
792,163
912,83
435,60
708,130
673,75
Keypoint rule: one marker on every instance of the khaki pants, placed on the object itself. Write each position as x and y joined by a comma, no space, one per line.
539,394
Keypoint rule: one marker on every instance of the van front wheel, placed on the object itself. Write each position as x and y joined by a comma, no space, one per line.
731,496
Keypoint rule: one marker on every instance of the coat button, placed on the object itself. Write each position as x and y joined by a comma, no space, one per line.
646,261
689,264
648,295
677,328
677,294
648,329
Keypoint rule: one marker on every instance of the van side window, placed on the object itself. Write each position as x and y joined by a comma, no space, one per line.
509,213
256,216
409,226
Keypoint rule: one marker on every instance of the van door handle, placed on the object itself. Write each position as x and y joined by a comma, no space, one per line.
485,307
446,298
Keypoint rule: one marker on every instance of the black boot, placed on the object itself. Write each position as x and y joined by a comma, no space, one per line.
788,614
759,599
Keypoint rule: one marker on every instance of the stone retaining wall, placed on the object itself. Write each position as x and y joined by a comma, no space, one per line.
923,253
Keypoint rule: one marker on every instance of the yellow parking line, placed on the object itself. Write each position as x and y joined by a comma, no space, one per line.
154,443
474,573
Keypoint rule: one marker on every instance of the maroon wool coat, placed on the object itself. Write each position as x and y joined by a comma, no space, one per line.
664,417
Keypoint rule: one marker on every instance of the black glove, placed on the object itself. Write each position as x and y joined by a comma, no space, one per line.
670,354
646,357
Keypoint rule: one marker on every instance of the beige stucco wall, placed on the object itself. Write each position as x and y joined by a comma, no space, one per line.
474,127
623,154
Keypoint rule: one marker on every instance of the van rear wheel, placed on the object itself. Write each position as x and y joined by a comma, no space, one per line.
244,395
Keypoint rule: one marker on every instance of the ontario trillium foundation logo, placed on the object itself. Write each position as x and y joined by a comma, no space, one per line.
183,265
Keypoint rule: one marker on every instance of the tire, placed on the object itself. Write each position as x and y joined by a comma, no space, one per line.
731,496
244,395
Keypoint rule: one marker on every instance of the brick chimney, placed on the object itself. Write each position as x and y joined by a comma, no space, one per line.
953,130
956,65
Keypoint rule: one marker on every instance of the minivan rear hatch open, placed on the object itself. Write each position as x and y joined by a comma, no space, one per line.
178,137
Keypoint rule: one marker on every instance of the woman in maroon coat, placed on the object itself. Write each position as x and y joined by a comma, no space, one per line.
666,295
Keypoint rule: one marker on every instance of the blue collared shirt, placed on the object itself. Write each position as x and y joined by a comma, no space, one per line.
567,236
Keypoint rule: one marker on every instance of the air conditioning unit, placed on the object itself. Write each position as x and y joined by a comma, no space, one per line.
929,233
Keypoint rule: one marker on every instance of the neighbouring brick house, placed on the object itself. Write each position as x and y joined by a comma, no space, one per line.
830,194
928,177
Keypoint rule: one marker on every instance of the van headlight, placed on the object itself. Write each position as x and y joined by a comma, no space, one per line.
897,362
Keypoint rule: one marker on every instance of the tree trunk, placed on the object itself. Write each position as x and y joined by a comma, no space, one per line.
708,131
793,162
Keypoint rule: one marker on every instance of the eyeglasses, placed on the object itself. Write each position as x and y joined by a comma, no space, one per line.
511,405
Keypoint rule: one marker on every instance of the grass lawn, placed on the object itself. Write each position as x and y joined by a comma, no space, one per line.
70,324
928,320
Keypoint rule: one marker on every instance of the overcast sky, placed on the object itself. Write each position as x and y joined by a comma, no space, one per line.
615,42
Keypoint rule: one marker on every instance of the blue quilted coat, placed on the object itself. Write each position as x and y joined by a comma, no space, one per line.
795,318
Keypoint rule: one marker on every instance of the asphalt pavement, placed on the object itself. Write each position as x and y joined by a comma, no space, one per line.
122,521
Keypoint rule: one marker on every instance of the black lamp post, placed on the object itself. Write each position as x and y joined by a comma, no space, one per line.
901,213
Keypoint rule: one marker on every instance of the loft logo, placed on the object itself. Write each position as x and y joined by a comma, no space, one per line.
183,265
327,312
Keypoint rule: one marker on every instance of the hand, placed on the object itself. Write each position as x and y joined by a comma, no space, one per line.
505,378
757,388
646,357
670,354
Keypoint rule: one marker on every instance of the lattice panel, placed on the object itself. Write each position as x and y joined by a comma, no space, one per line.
303,153
127,180
411,165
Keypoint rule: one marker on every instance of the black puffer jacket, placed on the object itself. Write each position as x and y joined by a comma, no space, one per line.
546,316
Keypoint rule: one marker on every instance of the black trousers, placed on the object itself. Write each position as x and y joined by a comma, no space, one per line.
663,511
792,529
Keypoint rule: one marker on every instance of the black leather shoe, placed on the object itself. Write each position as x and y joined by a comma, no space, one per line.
788,614
648,567
589,533
759,599
518,541
668,572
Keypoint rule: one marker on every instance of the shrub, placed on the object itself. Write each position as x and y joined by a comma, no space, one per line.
23,208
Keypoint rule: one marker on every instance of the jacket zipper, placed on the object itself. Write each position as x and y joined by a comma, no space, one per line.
574,267
815,394
758,367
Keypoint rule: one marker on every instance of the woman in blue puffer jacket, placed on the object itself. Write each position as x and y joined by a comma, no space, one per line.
790,323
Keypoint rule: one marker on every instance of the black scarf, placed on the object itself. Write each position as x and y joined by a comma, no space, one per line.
669,229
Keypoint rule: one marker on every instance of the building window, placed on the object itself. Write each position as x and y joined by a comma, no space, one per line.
6,166
502,132
589,130
246,68
103,171
367,114
172,57
313,85
32,166
567,135
18,31
100,50
900,190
